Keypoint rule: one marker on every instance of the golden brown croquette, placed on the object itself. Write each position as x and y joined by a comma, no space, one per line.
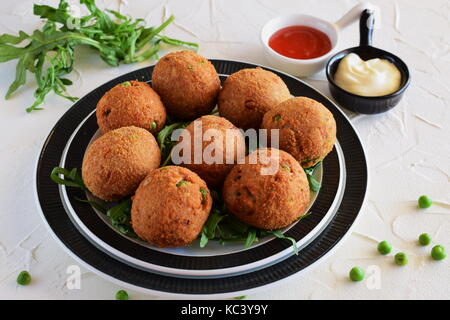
187,83
267,201
170,207
219,152
115,164
248,94
307,130
131,103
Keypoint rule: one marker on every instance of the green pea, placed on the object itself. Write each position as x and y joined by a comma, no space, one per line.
356,274
384,247
23,278
277,118
401,259
153,125
126,84
425,202
424,239
122,295
182,183
438,253
204,192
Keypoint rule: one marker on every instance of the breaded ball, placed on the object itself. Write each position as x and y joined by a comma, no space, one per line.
220,145
270,193
248,94
187,83
307,130
131,103
115,163
170,207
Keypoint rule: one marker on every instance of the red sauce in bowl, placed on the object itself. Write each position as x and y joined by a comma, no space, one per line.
300,42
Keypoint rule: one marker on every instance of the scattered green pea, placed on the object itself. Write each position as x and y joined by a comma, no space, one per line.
122,295
384,247
277,118
438,253
126,84
190,67
153,125
23,278
425,202
356,274
424,239
401,259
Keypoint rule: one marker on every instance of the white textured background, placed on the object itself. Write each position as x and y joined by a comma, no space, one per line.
408,148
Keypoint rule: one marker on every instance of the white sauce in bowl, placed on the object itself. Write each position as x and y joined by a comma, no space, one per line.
371,78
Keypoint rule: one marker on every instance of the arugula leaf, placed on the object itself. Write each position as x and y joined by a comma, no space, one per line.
116,38
165,142
11,39
21,76
94,204
314,185
203,240
119,214
212,223
59,14
251,237
121,218
73,177
280,235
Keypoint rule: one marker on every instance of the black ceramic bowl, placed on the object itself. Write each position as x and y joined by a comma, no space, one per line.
361,104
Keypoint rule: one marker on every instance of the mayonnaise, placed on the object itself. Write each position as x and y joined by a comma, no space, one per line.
371,78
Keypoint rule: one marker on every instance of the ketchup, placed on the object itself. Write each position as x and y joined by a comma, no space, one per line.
300,42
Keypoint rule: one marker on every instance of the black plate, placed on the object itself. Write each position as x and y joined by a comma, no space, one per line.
134,251
64,229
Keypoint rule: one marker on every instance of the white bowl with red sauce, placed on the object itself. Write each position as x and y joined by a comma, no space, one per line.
301,44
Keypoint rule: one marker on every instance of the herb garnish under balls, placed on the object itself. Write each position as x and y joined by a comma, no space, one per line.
131,103
187,83
267,201
248,94
170,207
226,141
307,129
115,163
